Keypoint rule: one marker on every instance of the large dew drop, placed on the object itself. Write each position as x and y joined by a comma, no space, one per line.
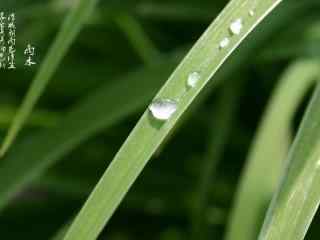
236,26
193,79
163,109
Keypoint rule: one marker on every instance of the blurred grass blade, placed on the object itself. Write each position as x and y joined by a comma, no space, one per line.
222,119
69,31
205,58
61,232
306,44
90,116
39,118
269,149
139,40
297,199
176,11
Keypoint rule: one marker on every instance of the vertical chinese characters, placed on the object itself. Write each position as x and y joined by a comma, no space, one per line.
2,41
29,52
8,43
11,41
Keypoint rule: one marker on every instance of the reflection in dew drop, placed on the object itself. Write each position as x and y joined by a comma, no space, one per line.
193,79
236,26
251,13
163,109
224,43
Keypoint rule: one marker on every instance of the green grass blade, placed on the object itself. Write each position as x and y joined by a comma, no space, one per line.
176,11
39,118
205,58
61,232
297,199
221,127
69,31
45,148
269,149
139,40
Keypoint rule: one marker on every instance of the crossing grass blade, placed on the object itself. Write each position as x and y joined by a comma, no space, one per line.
139,40
39,118
205,58
221,123
68,32
297,199
269,149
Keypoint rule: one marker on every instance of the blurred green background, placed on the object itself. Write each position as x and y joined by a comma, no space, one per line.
125,38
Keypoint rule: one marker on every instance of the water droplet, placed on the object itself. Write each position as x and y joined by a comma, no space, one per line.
224,43
251,13
162,109
236,26
193,79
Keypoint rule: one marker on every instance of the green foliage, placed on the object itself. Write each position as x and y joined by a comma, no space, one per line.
298,196
216,163
269,149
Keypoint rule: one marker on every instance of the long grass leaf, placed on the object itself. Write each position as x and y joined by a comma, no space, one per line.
269,149
297,199
205,58
69,31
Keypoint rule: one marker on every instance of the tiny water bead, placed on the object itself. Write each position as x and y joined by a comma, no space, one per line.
163,109
236,26
193,79
224,43
251,13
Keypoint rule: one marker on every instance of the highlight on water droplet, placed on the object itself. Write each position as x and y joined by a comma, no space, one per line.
251,13
236,26
224,43
193,79
163,109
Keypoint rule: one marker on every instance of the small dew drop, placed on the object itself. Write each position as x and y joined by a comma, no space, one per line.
251,13
193,79
224,43
236,26
163,109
